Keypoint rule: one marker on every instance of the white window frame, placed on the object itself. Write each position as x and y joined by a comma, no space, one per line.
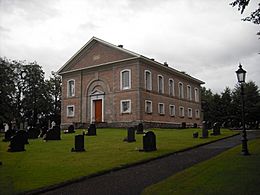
181,113
197,113
196,94
73,107
72,94
172,107
145,106
190,112
145,82
163,108
171,88
189,94
158,82
121,106
121,79
181,92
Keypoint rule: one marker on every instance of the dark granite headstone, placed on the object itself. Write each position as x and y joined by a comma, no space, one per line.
8,135
149,141
53,134
92,130
130,135
43,131
196,135
205,133
18,141
71,129
140,129
79,144
195,125
216,129
33,133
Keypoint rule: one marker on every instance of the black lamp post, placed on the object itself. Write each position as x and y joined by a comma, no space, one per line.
241,75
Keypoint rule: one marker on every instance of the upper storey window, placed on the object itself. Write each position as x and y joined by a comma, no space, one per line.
189,95
148,80
181,94
125,77
171,87
71,88
196,95
160,84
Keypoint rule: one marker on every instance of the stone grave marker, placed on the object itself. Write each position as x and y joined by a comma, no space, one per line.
44,130
140,128
8,134
92,130
149,142
79,144
33,133
18,141
52,134
195,125
70,129
130,135
216,129
183,125
205,133
195,134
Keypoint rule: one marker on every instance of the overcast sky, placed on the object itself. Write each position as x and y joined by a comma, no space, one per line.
204,38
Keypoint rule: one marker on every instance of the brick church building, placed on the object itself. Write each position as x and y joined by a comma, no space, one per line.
115,87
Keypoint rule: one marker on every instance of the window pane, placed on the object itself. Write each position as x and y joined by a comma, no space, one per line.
125,79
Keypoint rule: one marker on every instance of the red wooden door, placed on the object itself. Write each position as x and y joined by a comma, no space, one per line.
98,111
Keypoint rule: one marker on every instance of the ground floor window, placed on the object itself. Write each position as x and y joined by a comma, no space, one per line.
181,111
172,110
125,106
197,113
148,106
161,108
189,112
70,111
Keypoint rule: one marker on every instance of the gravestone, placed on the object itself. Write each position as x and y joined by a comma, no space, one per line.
52,134
18,141
71,129
8,134
195,134
140,129
149,142
92,130
130,135
216,129
43,131
183,125
79,144
195,125
205,133
33,133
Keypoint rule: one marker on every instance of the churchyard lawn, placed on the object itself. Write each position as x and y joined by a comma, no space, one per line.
227,173
52,162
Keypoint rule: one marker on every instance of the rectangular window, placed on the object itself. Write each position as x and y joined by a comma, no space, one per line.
71,88
125,106
189,112
197,113
160,84
148,106
125,77
196,94
181,111
171,87
70,111
148,80
172,110
181,94
161,108
189,97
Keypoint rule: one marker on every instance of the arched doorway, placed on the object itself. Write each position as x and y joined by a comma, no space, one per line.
97,106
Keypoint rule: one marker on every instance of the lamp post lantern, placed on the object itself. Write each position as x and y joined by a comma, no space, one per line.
241,75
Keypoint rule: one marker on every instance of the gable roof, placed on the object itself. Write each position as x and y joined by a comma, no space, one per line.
135,55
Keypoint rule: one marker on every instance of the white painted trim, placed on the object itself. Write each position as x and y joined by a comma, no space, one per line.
171,105
73,106
181,114
163,111
151,83
196,94
181,95
145,105
68,87
158,76
121,107
173,89
190,112
189,92
96,96
197,115
121,81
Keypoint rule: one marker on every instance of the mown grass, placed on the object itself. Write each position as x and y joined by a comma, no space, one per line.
227,173
52,162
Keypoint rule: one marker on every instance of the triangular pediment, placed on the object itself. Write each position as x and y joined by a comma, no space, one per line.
96,52
97,92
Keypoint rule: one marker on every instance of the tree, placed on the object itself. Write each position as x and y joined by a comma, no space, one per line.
254,16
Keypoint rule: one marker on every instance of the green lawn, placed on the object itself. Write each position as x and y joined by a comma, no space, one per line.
52,162
227,173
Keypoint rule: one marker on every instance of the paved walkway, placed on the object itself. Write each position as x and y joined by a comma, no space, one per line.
131,181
